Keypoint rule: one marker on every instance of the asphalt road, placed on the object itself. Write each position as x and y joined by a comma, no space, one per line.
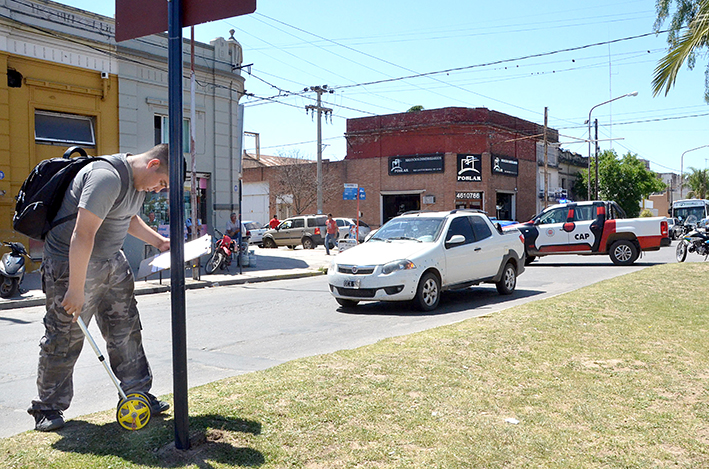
238,329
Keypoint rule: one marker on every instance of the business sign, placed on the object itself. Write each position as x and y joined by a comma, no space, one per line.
469,195
469,168
415,164
504,166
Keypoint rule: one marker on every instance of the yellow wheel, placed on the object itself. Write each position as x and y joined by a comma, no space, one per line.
133,412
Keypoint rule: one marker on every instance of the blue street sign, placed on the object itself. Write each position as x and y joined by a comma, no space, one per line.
362,194
350,193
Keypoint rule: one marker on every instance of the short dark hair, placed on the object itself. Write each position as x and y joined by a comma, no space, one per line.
161,151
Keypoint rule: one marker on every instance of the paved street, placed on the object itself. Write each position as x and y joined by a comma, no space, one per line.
241,328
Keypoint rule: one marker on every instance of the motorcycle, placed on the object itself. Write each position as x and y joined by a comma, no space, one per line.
697,241
221,257
12,269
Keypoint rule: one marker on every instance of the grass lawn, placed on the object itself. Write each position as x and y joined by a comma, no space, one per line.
612,375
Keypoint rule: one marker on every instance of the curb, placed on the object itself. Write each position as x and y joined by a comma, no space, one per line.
192,285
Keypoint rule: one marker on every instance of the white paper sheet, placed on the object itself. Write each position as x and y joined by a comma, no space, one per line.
158,262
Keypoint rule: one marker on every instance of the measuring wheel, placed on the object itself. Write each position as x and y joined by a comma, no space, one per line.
133,412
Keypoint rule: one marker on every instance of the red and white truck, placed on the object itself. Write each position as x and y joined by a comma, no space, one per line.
591,228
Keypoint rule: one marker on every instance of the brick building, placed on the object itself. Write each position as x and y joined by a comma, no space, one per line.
437,159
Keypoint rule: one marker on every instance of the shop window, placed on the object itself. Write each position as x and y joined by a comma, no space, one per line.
162,131
64,129
156,208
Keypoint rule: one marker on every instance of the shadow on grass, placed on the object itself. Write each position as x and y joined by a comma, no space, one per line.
455,301
212,438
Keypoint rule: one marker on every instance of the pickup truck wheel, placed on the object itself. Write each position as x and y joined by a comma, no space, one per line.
681,252
428,293
623,252
508,282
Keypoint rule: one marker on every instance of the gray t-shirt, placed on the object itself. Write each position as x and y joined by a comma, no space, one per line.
96,188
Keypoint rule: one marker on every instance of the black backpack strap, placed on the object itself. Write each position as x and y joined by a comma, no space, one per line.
122,172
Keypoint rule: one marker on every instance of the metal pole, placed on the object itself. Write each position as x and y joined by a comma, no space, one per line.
320,208
681,170
595,192
634,93
193,154
546,160
177,225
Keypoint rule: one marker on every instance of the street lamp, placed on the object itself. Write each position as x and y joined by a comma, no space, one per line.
681,170
634,93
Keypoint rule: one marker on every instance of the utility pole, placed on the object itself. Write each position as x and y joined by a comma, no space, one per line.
319,90
546,159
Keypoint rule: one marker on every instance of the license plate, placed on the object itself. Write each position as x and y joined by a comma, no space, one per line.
351,284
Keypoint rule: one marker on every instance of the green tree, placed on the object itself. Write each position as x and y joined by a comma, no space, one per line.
698,183
684,44
625,180
415,108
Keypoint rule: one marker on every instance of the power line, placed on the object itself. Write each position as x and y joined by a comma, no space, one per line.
497,62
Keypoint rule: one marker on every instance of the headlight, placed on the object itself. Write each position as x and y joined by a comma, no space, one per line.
332,267
401,264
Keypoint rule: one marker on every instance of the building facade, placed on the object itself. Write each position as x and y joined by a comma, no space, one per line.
439,159
69,83
442,159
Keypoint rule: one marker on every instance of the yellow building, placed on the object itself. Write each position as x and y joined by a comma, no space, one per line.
54,97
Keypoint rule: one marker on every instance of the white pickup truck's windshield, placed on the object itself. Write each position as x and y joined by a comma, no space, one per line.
424,230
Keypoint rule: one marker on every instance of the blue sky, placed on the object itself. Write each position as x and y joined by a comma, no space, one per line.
515,57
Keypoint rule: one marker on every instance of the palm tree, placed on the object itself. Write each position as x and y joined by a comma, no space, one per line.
683,47
698,182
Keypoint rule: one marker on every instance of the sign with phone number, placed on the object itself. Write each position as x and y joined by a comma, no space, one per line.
468,195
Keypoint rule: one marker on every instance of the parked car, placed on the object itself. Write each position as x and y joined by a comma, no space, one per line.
348,226
257,231
308,230
674,227
416,256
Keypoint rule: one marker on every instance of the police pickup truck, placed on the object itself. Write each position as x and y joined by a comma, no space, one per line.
590,228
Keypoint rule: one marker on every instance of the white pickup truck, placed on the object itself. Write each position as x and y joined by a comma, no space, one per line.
590,228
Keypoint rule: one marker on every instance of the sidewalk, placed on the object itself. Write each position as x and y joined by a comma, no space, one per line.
265,265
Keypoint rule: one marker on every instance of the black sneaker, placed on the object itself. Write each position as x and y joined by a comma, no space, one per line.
156,406
48,420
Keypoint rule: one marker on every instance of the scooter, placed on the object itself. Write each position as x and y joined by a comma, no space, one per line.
12,269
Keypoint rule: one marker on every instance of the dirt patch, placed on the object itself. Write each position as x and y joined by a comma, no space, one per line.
212,445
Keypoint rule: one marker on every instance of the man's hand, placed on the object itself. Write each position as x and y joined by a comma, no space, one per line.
73,302
164,245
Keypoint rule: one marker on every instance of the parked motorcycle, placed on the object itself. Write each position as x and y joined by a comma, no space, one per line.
221,257
697,241
12,269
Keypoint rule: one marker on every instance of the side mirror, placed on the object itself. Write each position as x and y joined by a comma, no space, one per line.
455,240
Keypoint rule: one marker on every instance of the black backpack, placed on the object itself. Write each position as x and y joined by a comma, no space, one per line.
42,193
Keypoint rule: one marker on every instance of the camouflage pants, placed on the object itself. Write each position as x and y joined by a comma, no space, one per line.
109,298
